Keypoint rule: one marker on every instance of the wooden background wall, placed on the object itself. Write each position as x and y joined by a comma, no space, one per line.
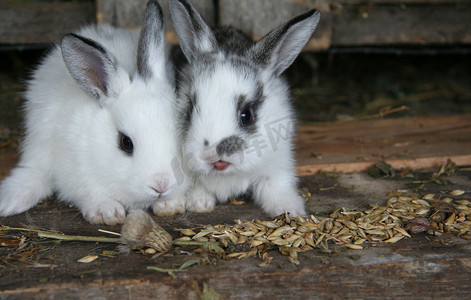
343,22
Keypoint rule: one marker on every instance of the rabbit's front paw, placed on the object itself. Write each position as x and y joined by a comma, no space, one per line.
275,203
16,201
169,206
109,213
200,201
22,190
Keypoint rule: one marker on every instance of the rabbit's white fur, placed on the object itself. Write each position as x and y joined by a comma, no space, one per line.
226,76
71,141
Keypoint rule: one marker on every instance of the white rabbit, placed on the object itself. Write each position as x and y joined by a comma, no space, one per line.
100,125
236,118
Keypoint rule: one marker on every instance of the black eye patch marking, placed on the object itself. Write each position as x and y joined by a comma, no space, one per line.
125,144
247,111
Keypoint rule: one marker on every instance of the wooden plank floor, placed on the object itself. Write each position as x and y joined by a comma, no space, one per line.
421,267
353,146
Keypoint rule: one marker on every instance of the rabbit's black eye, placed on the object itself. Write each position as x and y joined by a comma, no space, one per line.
125,143
246,117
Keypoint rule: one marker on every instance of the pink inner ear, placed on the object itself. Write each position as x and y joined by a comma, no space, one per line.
94,76
95,72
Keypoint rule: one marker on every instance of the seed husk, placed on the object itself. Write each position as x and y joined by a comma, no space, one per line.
402,231
394,239
186,231
402,216
353,246
87,259
457,192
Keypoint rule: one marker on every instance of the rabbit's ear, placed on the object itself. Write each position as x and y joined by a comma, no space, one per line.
278,49
151,48
94,68
194,34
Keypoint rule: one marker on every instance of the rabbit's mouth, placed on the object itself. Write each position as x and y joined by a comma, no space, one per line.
221,165
158,194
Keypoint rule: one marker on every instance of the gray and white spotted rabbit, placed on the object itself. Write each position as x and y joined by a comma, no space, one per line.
235,114
100,125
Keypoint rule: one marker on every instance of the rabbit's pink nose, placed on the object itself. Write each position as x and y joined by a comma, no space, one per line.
161,183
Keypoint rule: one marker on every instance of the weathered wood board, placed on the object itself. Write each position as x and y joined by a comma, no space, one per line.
40,22
129,14
257,18
354,146
421,267
396,23
343,23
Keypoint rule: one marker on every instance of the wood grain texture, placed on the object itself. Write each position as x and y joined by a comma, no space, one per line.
129,14
413,164
42,22
420,267
422,142
324,278
343,23
395,24
258,17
